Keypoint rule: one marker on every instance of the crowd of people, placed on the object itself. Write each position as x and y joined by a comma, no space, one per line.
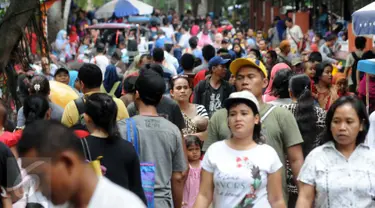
210,114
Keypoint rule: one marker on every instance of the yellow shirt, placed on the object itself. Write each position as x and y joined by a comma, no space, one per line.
70,116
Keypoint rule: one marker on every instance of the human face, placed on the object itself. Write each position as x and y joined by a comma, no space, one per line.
346,125
288,24
57,177
342,85
241,120
193,152
181,91
237,49
220,71
62,77
224,45
326,77
251,79
239,35
309,70
250,33
262,45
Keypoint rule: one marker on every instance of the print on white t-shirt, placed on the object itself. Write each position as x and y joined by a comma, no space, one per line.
240,177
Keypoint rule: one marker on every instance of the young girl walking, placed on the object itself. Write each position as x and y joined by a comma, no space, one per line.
191,189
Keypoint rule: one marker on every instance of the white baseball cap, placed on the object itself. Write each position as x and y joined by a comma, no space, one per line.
243,96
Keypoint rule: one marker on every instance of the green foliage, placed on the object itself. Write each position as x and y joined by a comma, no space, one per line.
84,3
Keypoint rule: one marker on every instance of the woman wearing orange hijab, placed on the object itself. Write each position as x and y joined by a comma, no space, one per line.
339,79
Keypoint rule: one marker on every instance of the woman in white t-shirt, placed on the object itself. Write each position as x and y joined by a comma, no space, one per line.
241,171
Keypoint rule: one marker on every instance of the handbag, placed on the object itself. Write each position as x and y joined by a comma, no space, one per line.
147,168
95,164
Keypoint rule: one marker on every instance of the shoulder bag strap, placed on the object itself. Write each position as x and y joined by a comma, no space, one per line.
80,104
267,113
114,88
132,128
86,151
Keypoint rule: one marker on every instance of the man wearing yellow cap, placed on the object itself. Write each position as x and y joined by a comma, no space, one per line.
279,126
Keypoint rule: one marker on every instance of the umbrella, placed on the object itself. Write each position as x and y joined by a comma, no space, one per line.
364,20
122,8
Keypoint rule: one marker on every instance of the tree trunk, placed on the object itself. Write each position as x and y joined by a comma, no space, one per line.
12,27
181,4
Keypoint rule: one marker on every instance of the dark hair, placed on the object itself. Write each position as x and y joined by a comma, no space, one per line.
158,55
222,51
150,73
358,106
257,53
319,68
129,84
40,85
197,62
360,43
315,57
49,138
181,77
273,55
35,108
280,85
103,111
193,42
165,21
289,20
257,134
331,37
187,61
100,48
91,76
192,139
317,34
305,113
6,123
168,47
61,71
208,52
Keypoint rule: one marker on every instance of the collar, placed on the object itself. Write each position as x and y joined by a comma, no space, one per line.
90,93
331,145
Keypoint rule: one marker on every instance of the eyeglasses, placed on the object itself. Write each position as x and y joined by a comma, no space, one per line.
180,76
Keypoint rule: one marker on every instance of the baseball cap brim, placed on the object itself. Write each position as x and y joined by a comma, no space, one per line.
240,62
229,101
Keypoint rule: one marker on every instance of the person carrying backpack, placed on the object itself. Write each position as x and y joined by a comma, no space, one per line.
112,84
352,62
90,78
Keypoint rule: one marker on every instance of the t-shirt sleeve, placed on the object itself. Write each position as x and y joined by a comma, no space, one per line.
132,110
290,132
275,160
212,132
206,162
10,172
349,61
70,115
307,173
20,118
179,162
201,111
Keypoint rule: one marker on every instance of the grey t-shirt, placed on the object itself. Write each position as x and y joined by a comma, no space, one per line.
56,114
167,108
160,142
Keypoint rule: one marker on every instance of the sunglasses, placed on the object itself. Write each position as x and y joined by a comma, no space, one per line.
180,76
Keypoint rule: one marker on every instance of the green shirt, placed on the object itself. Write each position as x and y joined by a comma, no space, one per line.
279,128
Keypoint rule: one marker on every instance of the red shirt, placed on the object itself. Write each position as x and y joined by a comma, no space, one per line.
11,139
199,77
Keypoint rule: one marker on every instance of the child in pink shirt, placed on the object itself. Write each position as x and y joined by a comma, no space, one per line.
191,189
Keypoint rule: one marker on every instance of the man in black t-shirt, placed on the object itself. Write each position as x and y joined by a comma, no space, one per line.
10,177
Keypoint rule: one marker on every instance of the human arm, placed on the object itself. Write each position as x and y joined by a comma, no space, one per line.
274,188
292,140
358,78
179,170
306,196
206,190
295,157
20,118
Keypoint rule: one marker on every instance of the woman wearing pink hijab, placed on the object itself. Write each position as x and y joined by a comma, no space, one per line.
267,97
204,38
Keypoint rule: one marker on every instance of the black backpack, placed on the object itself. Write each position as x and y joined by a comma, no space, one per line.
354,69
